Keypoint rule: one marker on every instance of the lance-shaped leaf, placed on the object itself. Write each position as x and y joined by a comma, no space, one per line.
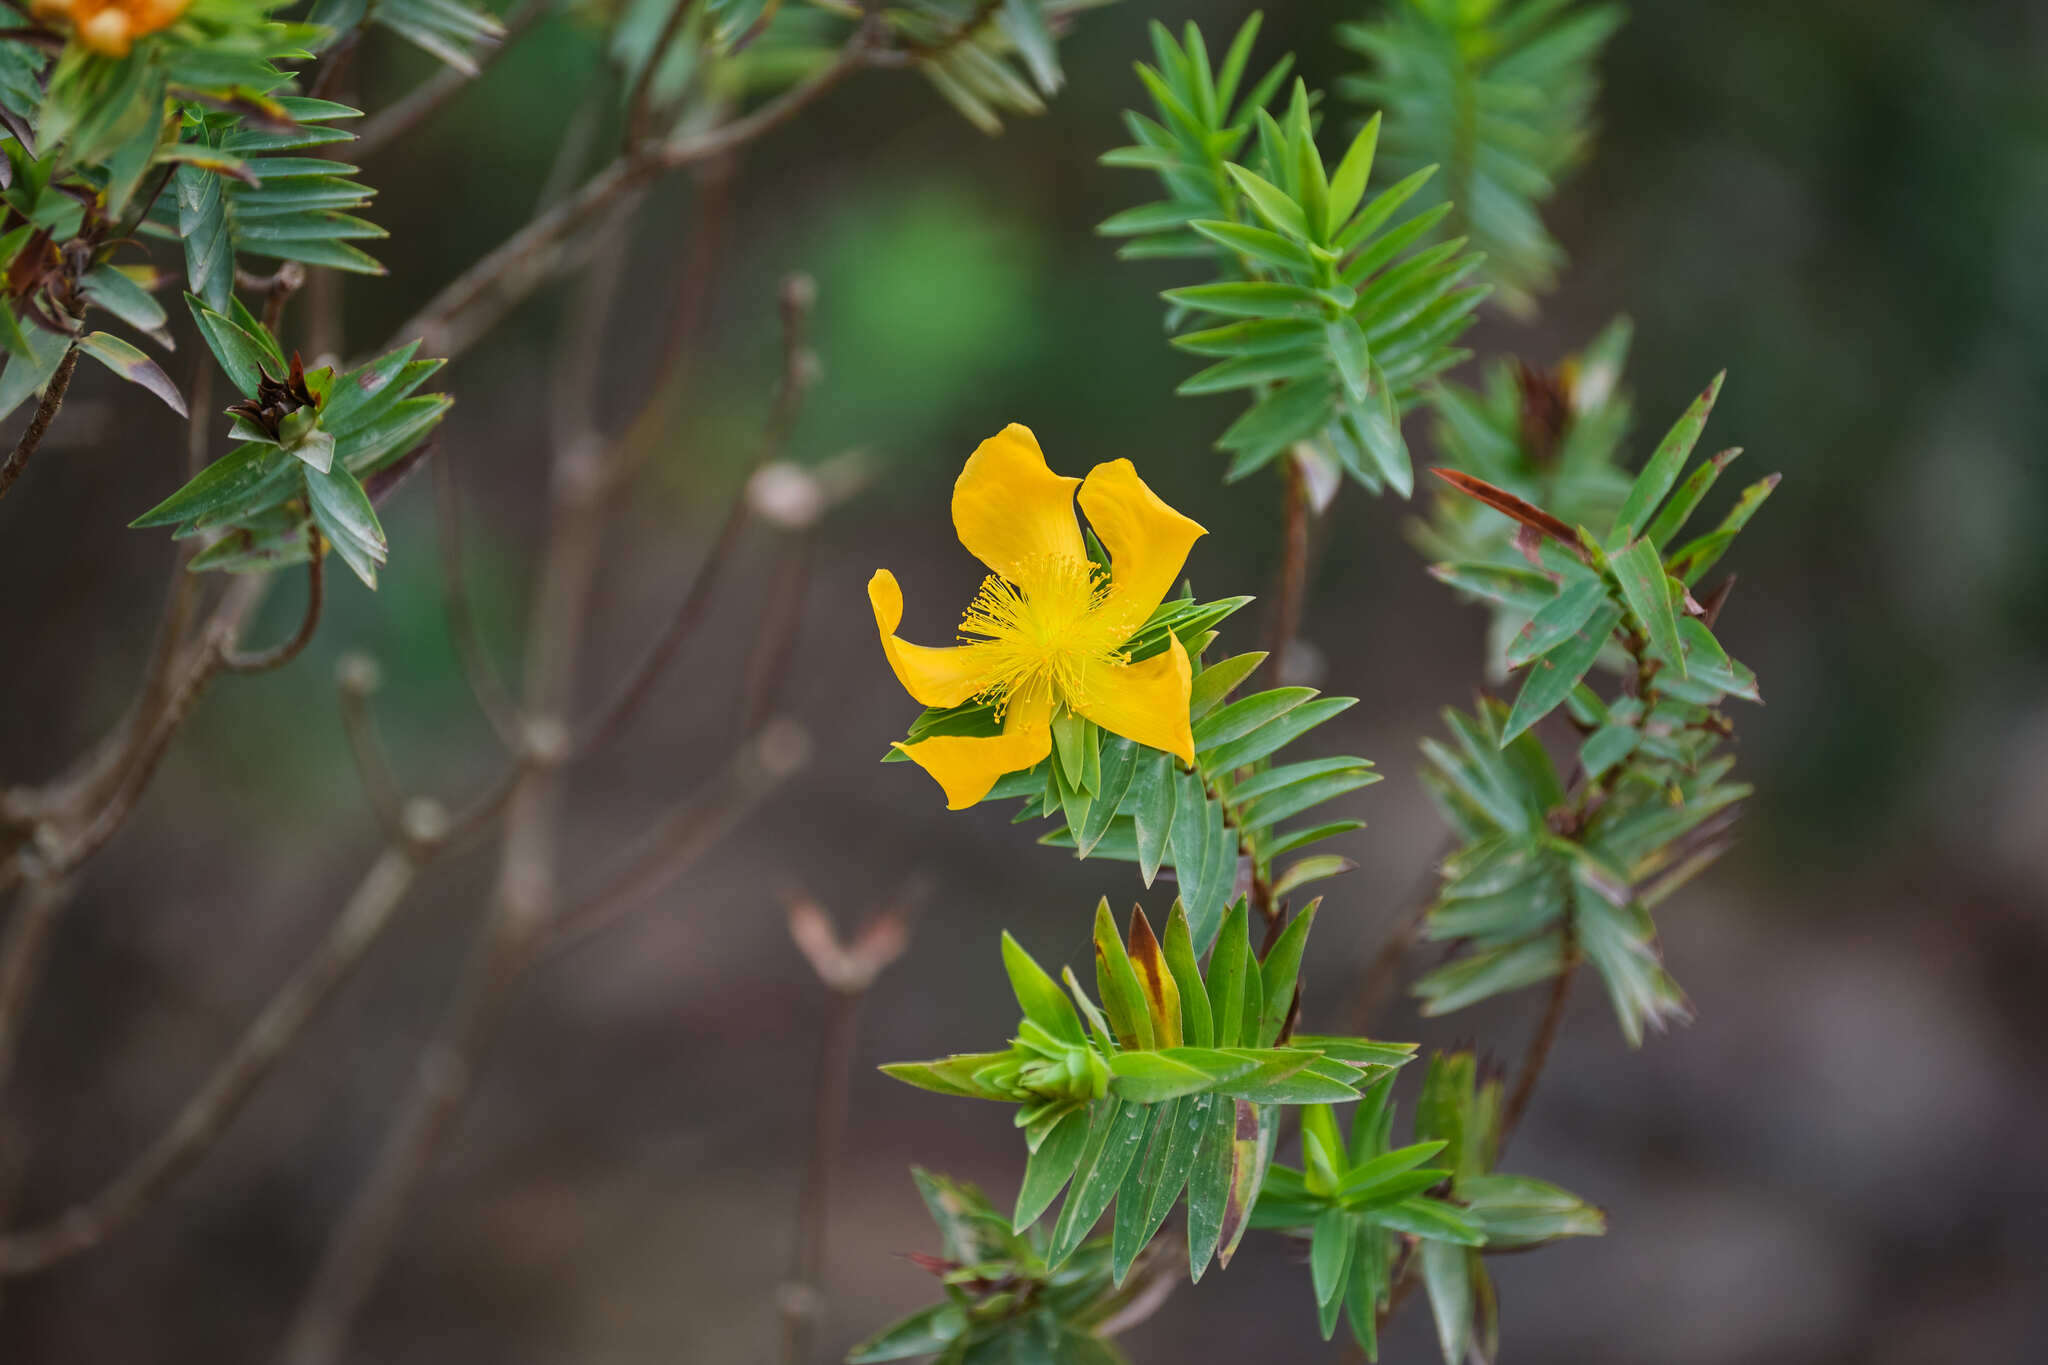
951,1075
1661,471
133,366
1196,1026
1640,571
1551,678
1447,1275
1558,621
1039,996
1114,1130
1671,519
1277,975
1047,1171
1155,981
1123,1000
1517,1212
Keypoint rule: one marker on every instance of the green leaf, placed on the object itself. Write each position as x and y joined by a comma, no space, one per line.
1278,973
30,374
133,366
1229,965
240,354
1347,187
924,1332
120,295
1640,571
1219,680
1489,972
1671,520
1150,801
1559,620
1153,1077
223,483
1048,1169
1113,1139
1516,1212
1311,870
1254,242
1447,1275
1197,1027
1119,763
343,512
1249,299
1271,203
1661,471
1039,996
1329,1257
1430,1219
1551,678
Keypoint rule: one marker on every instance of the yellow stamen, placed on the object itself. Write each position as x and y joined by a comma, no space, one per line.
1046,638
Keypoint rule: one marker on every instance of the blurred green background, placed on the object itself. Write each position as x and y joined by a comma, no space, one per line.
1841,1160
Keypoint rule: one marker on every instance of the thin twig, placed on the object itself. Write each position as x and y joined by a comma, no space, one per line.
424,100
517,265
1540,1044
639,102
39,425
681,837
802,1296
1283,620
278,655
490,694
36,912
355,682
362,1241
207,1114
521,904
848,972
798,296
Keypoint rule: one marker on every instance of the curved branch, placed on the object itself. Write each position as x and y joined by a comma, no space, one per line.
207,1114
521,262
39,425
277,656
425,99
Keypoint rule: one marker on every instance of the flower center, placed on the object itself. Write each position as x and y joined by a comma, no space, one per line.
1045,638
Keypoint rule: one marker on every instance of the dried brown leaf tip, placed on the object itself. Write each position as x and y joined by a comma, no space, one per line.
1545,409
1506,503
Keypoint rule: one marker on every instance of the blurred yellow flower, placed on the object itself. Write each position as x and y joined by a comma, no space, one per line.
1048,630
108,27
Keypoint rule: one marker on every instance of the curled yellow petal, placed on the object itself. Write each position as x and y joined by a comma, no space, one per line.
1148,541
1146,702
966,766
936,677
1013,513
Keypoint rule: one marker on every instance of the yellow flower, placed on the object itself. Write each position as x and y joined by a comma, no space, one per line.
1048,630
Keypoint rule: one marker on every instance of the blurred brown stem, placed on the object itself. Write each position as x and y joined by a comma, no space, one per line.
1540,1044
471,302
207,1114
22,953
38,425
278,655
1283,620
424,100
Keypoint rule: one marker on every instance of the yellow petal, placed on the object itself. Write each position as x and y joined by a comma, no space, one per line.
968,765
1014,514
936,677
1148,541
1146,701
